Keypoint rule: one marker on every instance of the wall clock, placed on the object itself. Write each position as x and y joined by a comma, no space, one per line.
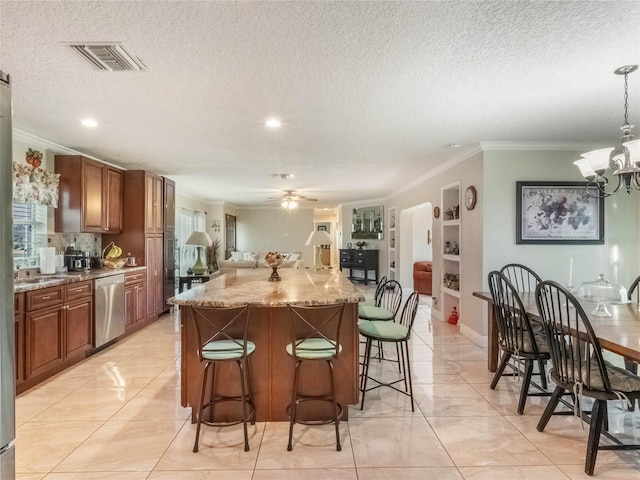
436,212
470,198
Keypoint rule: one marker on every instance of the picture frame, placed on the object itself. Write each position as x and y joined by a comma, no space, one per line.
558,213
322,228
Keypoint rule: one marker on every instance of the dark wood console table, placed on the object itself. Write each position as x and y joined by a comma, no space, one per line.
359,259
188,280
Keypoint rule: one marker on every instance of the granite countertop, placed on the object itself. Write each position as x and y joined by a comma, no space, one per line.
298,286
35,282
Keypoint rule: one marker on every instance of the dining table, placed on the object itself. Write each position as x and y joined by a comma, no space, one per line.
619,333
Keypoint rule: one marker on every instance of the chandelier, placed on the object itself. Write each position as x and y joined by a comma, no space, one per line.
625,164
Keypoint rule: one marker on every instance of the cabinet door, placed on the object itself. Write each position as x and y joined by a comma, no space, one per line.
92,196
169,205
130,306
45,338
113,200
158,214
159,285
155,282
78,328
169,269
141,302
154,206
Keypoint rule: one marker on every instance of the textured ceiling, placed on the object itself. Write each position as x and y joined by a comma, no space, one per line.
370,93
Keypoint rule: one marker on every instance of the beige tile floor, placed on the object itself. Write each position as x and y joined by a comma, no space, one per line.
117,416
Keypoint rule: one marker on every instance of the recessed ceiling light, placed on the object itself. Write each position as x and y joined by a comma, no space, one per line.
273,123
454,145
87,122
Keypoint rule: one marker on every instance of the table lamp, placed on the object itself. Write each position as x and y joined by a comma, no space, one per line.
199,239
316,238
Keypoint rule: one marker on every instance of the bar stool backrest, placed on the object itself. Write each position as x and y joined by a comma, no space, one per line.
391,297
409,311
219,329
376,297
312,323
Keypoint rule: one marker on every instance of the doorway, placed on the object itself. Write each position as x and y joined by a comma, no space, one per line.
415,240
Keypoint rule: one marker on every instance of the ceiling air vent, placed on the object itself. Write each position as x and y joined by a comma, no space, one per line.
113,57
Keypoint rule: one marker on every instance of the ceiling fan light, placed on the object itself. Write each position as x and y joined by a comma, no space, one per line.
598,159
585,168
289,204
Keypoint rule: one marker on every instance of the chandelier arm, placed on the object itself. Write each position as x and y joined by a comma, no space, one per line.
596,187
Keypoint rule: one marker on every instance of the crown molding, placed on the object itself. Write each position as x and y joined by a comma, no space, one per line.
561,146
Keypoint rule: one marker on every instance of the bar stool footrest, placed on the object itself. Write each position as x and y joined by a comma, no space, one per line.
251,414
319,398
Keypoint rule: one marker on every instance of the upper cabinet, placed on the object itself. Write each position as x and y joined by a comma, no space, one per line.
154,206
90,196
169,205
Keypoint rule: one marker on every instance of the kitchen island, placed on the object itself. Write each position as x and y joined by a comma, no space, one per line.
271,367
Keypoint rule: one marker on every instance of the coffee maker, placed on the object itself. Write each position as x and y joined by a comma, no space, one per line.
76,260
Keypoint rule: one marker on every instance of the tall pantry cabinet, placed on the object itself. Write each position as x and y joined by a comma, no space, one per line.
143,232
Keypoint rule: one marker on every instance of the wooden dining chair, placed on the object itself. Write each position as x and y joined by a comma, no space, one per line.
521,277
517,339
578,366
633,294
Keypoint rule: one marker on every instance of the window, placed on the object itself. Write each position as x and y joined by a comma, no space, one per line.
29,233
188,221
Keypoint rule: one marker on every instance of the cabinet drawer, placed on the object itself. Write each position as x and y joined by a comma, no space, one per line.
135,277
359,254
45,297
18,303
79,290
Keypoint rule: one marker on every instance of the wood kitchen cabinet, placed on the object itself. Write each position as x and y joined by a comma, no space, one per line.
19,331
135,299
169,205
142,234
91,196
154,204
155,270
58,329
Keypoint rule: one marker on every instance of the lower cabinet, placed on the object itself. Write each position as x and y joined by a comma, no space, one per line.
44,331
58,330
135,299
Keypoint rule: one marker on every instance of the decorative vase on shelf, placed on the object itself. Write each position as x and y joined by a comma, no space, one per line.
274,260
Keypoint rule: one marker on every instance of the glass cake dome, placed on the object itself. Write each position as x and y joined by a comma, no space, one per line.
601,292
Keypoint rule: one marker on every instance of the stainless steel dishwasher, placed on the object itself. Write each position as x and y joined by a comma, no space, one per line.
109,313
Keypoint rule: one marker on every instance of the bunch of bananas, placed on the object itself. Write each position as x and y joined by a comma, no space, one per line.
115,252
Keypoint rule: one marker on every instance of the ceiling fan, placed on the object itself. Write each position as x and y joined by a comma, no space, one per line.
290,199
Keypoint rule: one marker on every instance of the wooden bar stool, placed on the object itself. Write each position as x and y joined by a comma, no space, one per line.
315,337
222,338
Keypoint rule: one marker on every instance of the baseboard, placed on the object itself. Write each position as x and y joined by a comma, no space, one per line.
474,336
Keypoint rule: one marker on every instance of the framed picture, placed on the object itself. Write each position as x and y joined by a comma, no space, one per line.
322,228
558,213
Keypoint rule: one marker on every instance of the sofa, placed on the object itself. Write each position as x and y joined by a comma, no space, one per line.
256,260
422,277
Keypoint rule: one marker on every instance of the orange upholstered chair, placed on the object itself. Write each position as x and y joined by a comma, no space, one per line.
422,277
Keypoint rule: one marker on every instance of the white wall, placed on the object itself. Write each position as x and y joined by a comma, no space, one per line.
275,229
618,258
413,226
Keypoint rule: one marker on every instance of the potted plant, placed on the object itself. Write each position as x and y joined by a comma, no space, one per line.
212,255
